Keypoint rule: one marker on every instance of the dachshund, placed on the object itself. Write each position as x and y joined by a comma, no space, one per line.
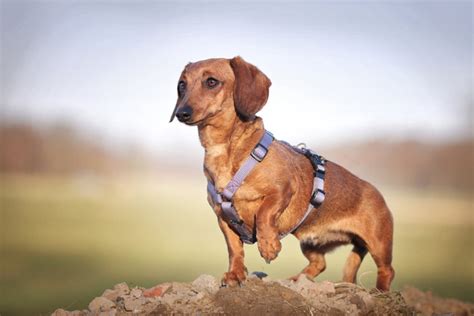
221,97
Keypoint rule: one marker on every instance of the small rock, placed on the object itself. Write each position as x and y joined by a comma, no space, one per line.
179,293
285,282
345,287
357,300
335,312
368,300
101,304
122,288
259,274
171,298
111,294
111,312
60,312
206,283
305,286
162,309
326,287
308,288
157,290
198,297
136,292
133,305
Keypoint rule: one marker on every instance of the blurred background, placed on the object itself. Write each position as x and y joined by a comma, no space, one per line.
92,174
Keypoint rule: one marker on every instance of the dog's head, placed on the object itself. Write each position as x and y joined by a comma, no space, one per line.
208,87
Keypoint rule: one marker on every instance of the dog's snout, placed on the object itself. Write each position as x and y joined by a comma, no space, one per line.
184,114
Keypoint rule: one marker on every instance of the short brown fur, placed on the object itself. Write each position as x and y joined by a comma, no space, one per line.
276,193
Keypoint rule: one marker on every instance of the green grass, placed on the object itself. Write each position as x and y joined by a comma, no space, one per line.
65,240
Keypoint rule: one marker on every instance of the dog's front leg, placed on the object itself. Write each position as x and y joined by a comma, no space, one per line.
237,272
267,231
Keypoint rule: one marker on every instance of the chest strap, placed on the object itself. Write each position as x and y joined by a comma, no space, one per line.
225,199
259,152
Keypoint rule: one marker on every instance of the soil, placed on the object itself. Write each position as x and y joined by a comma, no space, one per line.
266,297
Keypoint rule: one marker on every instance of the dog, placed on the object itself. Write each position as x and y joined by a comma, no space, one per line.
222,97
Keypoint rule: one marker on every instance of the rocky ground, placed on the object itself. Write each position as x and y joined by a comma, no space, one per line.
266,297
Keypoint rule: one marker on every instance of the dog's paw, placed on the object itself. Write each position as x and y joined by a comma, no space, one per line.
233,278
269,248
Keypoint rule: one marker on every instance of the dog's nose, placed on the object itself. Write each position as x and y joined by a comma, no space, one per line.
184,114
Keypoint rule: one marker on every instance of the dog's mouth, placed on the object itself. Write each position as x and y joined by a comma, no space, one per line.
194,123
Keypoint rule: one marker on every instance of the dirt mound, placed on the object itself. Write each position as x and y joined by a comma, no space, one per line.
428,304
266,297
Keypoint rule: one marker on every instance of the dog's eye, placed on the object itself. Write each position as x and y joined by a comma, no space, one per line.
181,87
211,82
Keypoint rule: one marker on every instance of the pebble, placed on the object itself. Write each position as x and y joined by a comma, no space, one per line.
326,287
157,290
62,312
101,304
308,288
198,297
122,288
132,304
368,301
206,283
136,292
259,274
111,294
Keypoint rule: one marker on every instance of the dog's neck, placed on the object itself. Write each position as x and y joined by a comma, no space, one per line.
227,141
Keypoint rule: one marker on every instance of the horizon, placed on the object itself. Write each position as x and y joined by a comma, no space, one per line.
347,71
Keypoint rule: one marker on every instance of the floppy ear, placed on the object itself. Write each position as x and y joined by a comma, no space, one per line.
251,88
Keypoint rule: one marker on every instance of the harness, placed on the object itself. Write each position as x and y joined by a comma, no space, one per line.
257,155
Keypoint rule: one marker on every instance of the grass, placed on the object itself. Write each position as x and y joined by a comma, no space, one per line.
65,240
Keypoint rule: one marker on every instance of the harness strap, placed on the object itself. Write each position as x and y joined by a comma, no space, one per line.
256,156
225,199
318,196
232,216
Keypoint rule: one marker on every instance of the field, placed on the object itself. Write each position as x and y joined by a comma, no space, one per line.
64,238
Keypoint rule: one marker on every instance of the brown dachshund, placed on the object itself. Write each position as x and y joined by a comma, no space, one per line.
221,98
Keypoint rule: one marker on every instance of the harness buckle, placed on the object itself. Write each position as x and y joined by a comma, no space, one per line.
321,169
259,152
318,197
319,172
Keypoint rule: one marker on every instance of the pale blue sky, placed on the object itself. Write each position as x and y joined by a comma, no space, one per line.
341,71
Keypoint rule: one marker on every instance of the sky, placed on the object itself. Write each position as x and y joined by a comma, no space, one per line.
342,71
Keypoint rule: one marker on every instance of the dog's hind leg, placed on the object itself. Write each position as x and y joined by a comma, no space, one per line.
317,262
382,256
380,248
353,263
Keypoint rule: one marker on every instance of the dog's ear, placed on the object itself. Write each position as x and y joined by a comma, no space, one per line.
251,88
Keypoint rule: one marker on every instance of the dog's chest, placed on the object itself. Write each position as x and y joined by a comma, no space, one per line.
218,166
